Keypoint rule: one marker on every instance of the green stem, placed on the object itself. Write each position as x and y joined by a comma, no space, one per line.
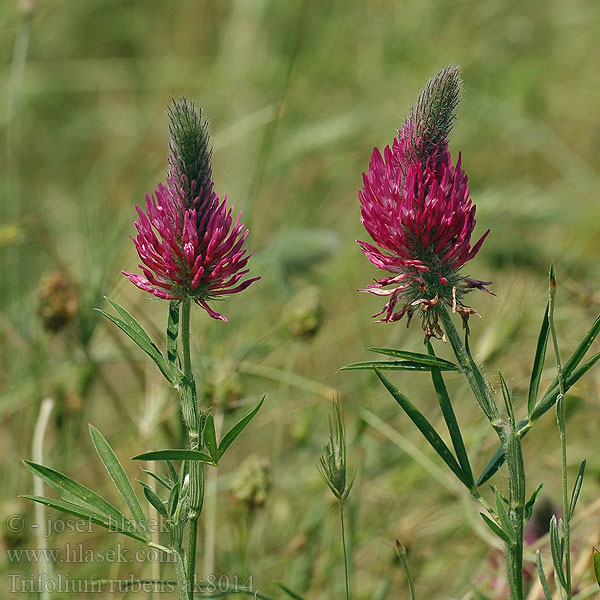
472,373
511,442
562,430
193,534
345,552
181,577
189,409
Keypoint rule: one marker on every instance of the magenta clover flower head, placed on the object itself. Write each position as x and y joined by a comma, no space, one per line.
415,205
188,241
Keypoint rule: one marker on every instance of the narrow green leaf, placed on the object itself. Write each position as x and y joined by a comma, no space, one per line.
556,549
210,438
528,511
538,363
137,333
84,513
390,365
496,529
173,500
172,335
576,489
154,499
579,352
450,418
508,401
173,472
76,493
238,428
542,575
175,454
289,592
504,520
543,406
425,427
417,357
597,565
158,478
570,378
119,477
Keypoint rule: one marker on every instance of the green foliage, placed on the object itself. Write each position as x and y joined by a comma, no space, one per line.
80,501
119,477
128,324
230,436
425,427
175,454
596,554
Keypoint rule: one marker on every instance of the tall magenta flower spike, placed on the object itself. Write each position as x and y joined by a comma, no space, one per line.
188,241
415,205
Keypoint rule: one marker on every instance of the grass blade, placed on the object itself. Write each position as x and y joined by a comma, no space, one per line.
570,379
597,565
119,477
137,333
542,575
531,503
84,513
76,493
504,520
154,499
158,478
451,422
210,438
543,406
175,454
417,357
425,427
238,428
556,549
538,363
391,365
577,489
496,529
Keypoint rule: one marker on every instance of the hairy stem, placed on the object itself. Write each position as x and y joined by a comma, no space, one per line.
511,441
189,409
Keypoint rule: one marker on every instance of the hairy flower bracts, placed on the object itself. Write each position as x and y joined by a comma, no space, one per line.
415,205
188,241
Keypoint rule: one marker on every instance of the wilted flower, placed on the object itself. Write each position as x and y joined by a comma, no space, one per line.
415,205
188,241
58,301
304,313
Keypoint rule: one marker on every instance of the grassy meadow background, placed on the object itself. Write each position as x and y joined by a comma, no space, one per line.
298,92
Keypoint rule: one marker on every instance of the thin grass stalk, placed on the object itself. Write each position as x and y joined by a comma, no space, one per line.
37,452
346,571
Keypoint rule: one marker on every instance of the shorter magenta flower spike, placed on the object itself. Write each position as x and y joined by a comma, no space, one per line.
415,205
188,241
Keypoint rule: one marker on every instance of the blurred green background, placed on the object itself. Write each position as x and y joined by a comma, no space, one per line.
298,93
